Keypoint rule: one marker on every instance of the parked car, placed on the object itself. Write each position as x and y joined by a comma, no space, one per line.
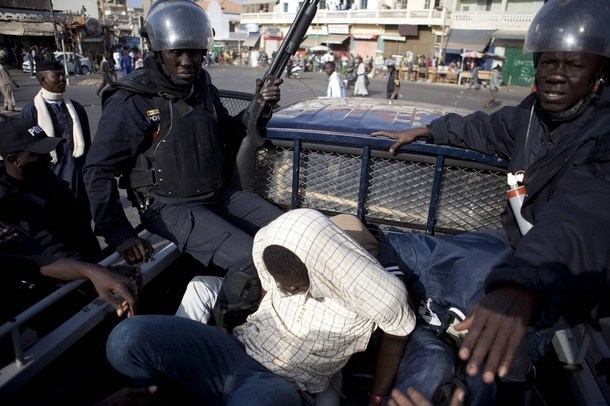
86,64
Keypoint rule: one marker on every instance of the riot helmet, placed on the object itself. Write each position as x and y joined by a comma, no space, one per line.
570,26
178,24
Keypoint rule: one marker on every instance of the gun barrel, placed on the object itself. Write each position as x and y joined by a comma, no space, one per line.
245,163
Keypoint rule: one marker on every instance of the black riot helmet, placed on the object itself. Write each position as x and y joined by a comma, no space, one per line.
178,24
573,26
570,26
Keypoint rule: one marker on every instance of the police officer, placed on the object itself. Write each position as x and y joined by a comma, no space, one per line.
163,130
558,138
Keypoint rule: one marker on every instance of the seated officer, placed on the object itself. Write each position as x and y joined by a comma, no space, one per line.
57,239
163,129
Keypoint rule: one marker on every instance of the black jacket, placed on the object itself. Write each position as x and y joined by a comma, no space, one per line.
564,258
126,130
49,213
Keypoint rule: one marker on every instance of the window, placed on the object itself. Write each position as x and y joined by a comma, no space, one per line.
285,7
484,5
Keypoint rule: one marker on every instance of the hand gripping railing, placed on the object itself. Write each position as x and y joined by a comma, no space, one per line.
46,349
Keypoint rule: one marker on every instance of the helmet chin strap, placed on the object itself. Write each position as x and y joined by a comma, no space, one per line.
591,96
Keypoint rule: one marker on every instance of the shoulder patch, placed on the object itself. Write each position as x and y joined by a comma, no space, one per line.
153,116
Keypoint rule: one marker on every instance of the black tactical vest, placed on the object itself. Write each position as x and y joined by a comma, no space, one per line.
184,160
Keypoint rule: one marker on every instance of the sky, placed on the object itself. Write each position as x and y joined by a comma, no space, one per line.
134,3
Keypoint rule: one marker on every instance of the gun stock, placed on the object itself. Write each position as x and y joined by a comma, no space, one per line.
245,163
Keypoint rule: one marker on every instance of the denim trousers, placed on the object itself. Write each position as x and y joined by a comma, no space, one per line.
429,362
202,359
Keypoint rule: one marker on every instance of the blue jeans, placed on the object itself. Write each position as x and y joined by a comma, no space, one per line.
429,362
202,359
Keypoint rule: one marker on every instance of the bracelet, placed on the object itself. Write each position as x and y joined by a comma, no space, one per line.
375,399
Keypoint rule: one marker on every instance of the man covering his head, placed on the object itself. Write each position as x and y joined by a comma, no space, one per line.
325,296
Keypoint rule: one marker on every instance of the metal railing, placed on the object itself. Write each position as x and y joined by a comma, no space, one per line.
29,362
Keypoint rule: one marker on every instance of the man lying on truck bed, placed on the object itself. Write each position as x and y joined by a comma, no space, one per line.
325,295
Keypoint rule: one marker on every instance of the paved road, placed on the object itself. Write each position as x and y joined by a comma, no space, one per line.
312,84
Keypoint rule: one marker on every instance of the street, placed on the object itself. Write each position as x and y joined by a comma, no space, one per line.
312,84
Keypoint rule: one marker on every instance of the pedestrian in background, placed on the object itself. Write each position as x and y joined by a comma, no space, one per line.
335,84
6,87
106,70
393,82
360,86
474,78
494,86
77,65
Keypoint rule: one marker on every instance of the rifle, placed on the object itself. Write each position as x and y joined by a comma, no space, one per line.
245,163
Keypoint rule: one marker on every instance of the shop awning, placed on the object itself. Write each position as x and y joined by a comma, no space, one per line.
251,41
509,34
19,28
393,38
408,30
313,40
471,40
336,39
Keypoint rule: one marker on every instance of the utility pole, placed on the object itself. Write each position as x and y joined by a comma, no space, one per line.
443,10
53,22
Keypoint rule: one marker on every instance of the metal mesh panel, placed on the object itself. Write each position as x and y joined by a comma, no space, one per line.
273,177
329,181
471,199
235,106
399,190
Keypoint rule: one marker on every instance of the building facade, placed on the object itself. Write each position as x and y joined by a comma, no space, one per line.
394,28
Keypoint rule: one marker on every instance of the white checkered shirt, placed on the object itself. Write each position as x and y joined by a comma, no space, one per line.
307,338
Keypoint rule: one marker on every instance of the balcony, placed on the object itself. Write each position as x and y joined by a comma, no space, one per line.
491,21
457,19
381,17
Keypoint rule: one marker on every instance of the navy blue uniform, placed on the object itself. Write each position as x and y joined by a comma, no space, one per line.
67,167
176,146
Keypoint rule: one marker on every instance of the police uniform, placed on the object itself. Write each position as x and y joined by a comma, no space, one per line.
169,152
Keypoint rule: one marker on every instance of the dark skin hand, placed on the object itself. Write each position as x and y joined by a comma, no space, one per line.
496,327
130,397
106,283
388,361
271,94
5,236
135,250
402,137
414,398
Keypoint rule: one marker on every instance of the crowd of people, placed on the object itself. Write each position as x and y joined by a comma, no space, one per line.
303,292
